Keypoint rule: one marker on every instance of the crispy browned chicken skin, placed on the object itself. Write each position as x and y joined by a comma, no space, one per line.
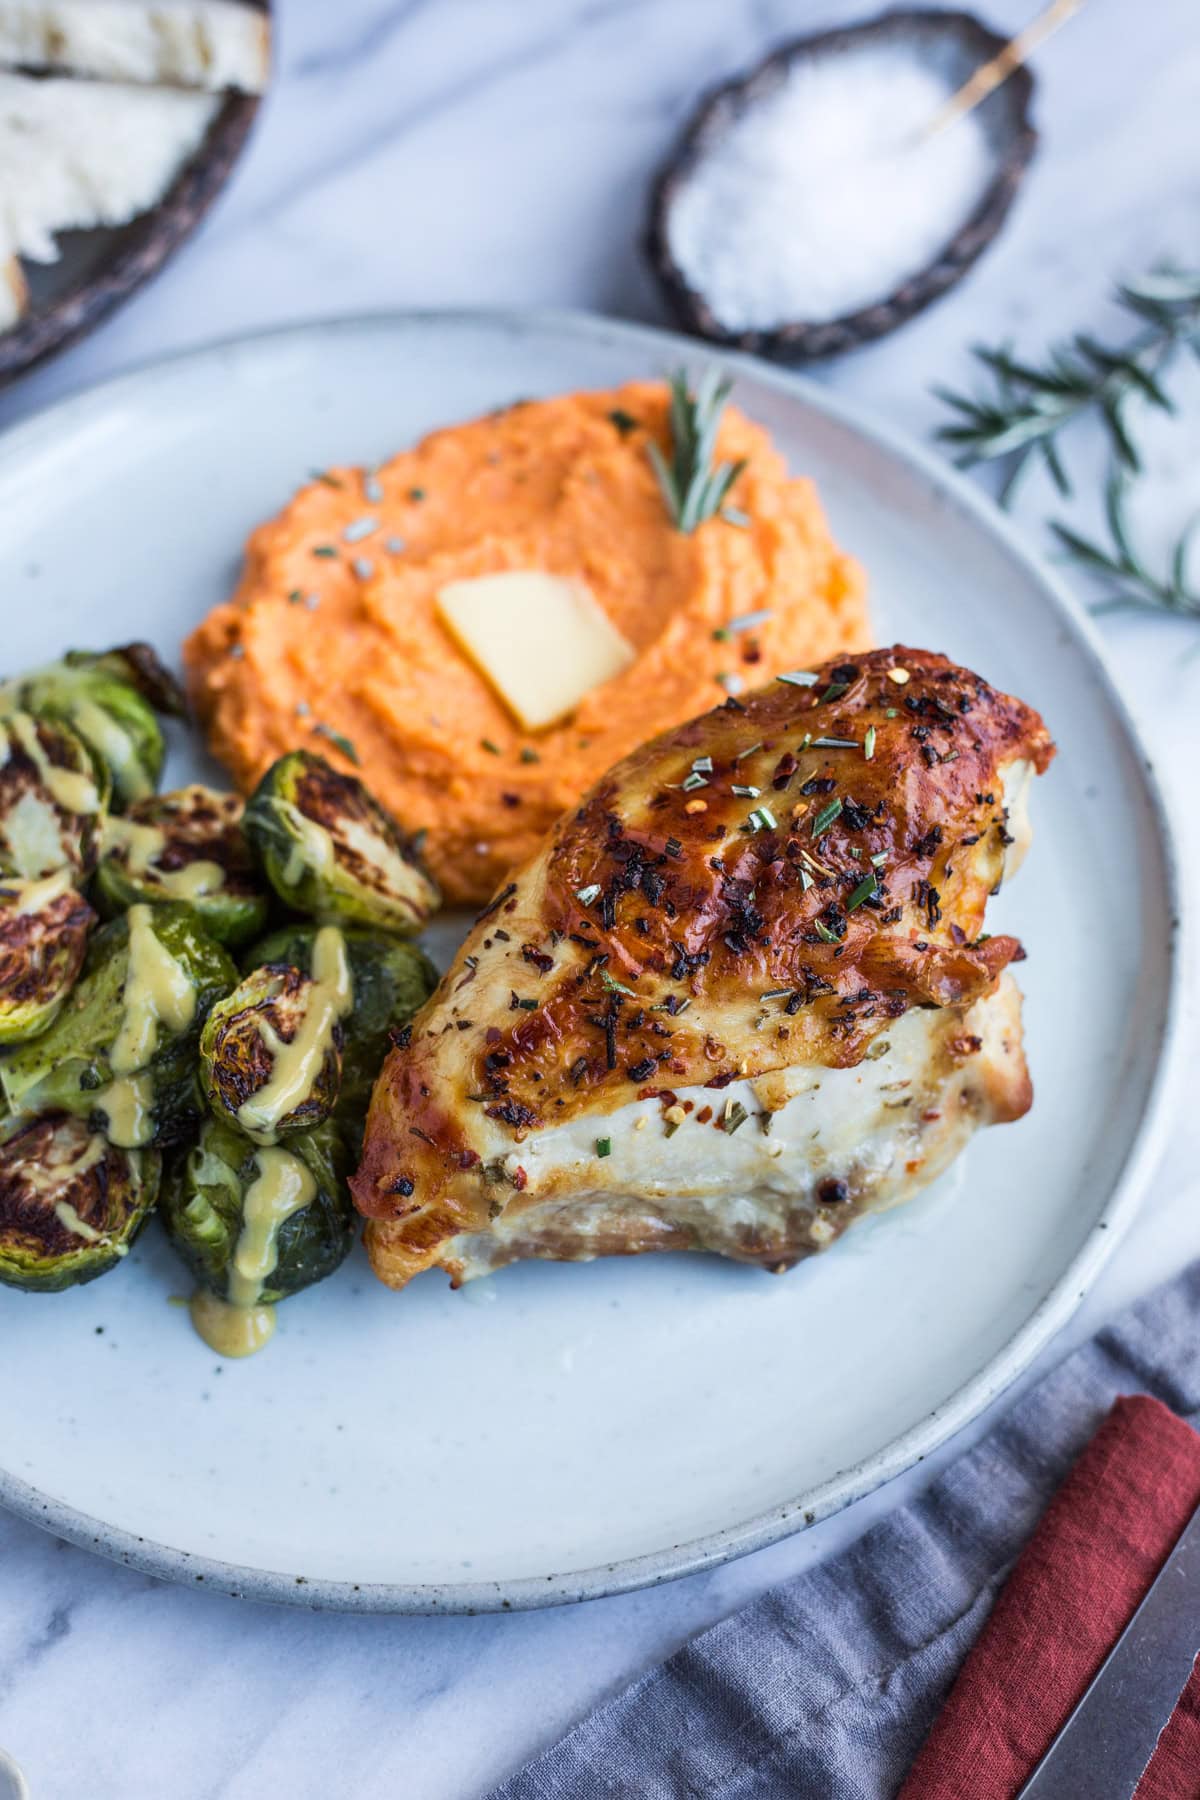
742,994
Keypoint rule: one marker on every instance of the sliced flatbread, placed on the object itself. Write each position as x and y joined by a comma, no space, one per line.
77,154
14,295
211,44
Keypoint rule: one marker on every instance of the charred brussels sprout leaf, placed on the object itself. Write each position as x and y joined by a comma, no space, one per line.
123,1052
70,1202
96,697
271,1053
329,849
139,666
52,799
43,940
391,980
187,846
237,1239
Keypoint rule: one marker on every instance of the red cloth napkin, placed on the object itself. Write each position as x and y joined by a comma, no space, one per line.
1102,1540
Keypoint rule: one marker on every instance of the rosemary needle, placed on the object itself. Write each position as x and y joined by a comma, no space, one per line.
1132,585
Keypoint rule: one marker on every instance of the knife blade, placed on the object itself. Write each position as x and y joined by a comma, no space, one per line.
1111,1734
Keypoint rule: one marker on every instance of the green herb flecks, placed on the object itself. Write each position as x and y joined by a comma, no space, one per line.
339,740
603,1146
869,742
824,819
867,889
746,622
693,487
798,678
613,985
735,1116
491,748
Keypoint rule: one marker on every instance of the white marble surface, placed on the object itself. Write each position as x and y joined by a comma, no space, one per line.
464,151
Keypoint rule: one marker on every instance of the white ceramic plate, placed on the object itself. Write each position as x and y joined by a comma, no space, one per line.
560,1432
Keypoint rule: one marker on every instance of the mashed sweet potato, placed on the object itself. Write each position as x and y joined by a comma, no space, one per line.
332,633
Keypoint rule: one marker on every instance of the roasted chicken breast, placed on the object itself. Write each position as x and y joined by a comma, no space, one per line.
742,995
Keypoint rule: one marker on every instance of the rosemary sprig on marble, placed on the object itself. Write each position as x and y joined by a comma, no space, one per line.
1132,584
1031,405
693,487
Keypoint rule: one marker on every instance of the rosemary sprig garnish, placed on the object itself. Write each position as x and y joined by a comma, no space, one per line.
1133,585
1030,406
693,487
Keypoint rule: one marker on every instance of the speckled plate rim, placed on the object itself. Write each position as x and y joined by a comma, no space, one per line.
951,490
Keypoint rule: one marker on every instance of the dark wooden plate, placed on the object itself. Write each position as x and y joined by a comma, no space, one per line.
99,269
956,42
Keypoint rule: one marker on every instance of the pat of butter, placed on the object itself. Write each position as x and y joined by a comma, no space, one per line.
541,641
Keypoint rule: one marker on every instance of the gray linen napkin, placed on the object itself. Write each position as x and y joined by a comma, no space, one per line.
827,1686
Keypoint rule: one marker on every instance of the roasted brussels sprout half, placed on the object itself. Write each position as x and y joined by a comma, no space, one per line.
71,1203
271,1052
124,1051
99,698
187,845
52,799
43,939
391,979
255,1223
329,849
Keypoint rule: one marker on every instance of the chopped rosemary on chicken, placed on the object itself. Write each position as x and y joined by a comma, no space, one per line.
824,819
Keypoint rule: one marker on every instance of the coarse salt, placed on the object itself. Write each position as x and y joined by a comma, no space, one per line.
825,196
